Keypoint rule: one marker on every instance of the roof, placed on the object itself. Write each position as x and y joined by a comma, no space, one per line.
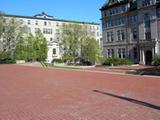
109,4
50,18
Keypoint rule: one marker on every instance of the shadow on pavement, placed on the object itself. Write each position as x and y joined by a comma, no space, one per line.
130,100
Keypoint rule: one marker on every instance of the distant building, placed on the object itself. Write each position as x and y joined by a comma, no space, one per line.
51,29
131,29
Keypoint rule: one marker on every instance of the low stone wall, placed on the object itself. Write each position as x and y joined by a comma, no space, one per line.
20,61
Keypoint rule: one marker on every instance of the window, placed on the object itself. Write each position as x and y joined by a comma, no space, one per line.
36,23
21,21
36,30
112,52
110,37
57,31
49,23
116,22
147,26
29,22
147,21
123,9
133,19
51,39
97,28
147,3
158,12
134,33
57,24
47,31
97,33
121,35
147,35
54,51
27,30
58,38
45,23
121,53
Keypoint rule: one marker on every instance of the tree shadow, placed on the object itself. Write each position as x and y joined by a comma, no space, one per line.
153,70
130,100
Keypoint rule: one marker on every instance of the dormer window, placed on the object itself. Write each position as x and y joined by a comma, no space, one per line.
43,15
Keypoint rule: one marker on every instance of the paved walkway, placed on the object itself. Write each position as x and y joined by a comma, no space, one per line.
30,93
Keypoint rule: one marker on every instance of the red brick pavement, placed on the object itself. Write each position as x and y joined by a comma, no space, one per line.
28,93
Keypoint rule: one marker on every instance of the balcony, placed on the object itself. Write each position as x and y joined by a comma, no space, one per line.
150,42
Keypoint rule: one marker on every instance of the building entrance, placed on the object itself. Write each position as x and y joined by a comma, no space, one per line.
148,57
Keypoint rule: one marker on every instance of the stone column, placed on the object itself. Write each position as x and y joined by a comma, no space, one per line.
153,52
142,57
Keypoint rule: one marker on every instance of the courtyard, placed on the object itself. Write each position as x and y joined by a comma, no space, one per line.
32,93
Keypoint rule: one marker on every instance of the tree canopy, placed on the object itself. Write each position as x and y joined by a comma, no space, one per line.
32,48
78,46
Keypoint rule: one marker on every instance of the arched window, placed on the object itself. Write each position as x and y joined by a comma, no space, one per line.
54,51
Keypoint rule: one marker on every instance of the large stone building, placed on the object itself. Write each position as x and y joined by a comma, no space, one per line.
131,29
51,29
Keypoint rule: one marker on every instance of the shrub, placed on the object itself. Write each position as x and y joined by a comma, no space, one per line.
85,63
156,60
57,60
7,58
116,61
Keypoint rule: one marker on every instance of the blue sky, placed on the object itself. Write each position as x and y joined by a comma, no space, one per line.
81,10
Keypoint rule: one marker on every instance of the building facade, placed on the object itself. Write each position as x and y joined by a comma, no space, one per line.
51,29
131,29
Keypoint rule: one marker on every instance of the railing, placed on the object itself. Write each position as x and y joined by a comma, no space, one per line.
149,41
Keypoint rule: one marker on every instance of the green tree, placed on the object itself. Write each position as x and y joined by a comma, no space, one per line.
90,52
2,25
32,48
13,30
71,41
10,32
20,50
78,44
40,46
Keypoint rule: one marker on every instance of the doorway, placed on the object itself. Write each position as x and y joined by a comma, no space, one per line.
148,57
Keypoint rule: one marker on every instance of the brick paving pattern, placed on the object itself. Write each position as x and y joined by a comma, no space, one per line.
28,93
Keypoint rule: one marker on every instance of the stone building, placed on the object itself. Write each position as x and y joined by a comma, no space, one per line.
51,29
131,29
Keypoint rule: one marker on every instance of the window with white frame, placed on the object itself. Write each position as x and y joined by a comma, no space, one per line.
54,51
110,36
36,23
121,35
110,52
47,31
147,24
121,52
134,33
29,22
